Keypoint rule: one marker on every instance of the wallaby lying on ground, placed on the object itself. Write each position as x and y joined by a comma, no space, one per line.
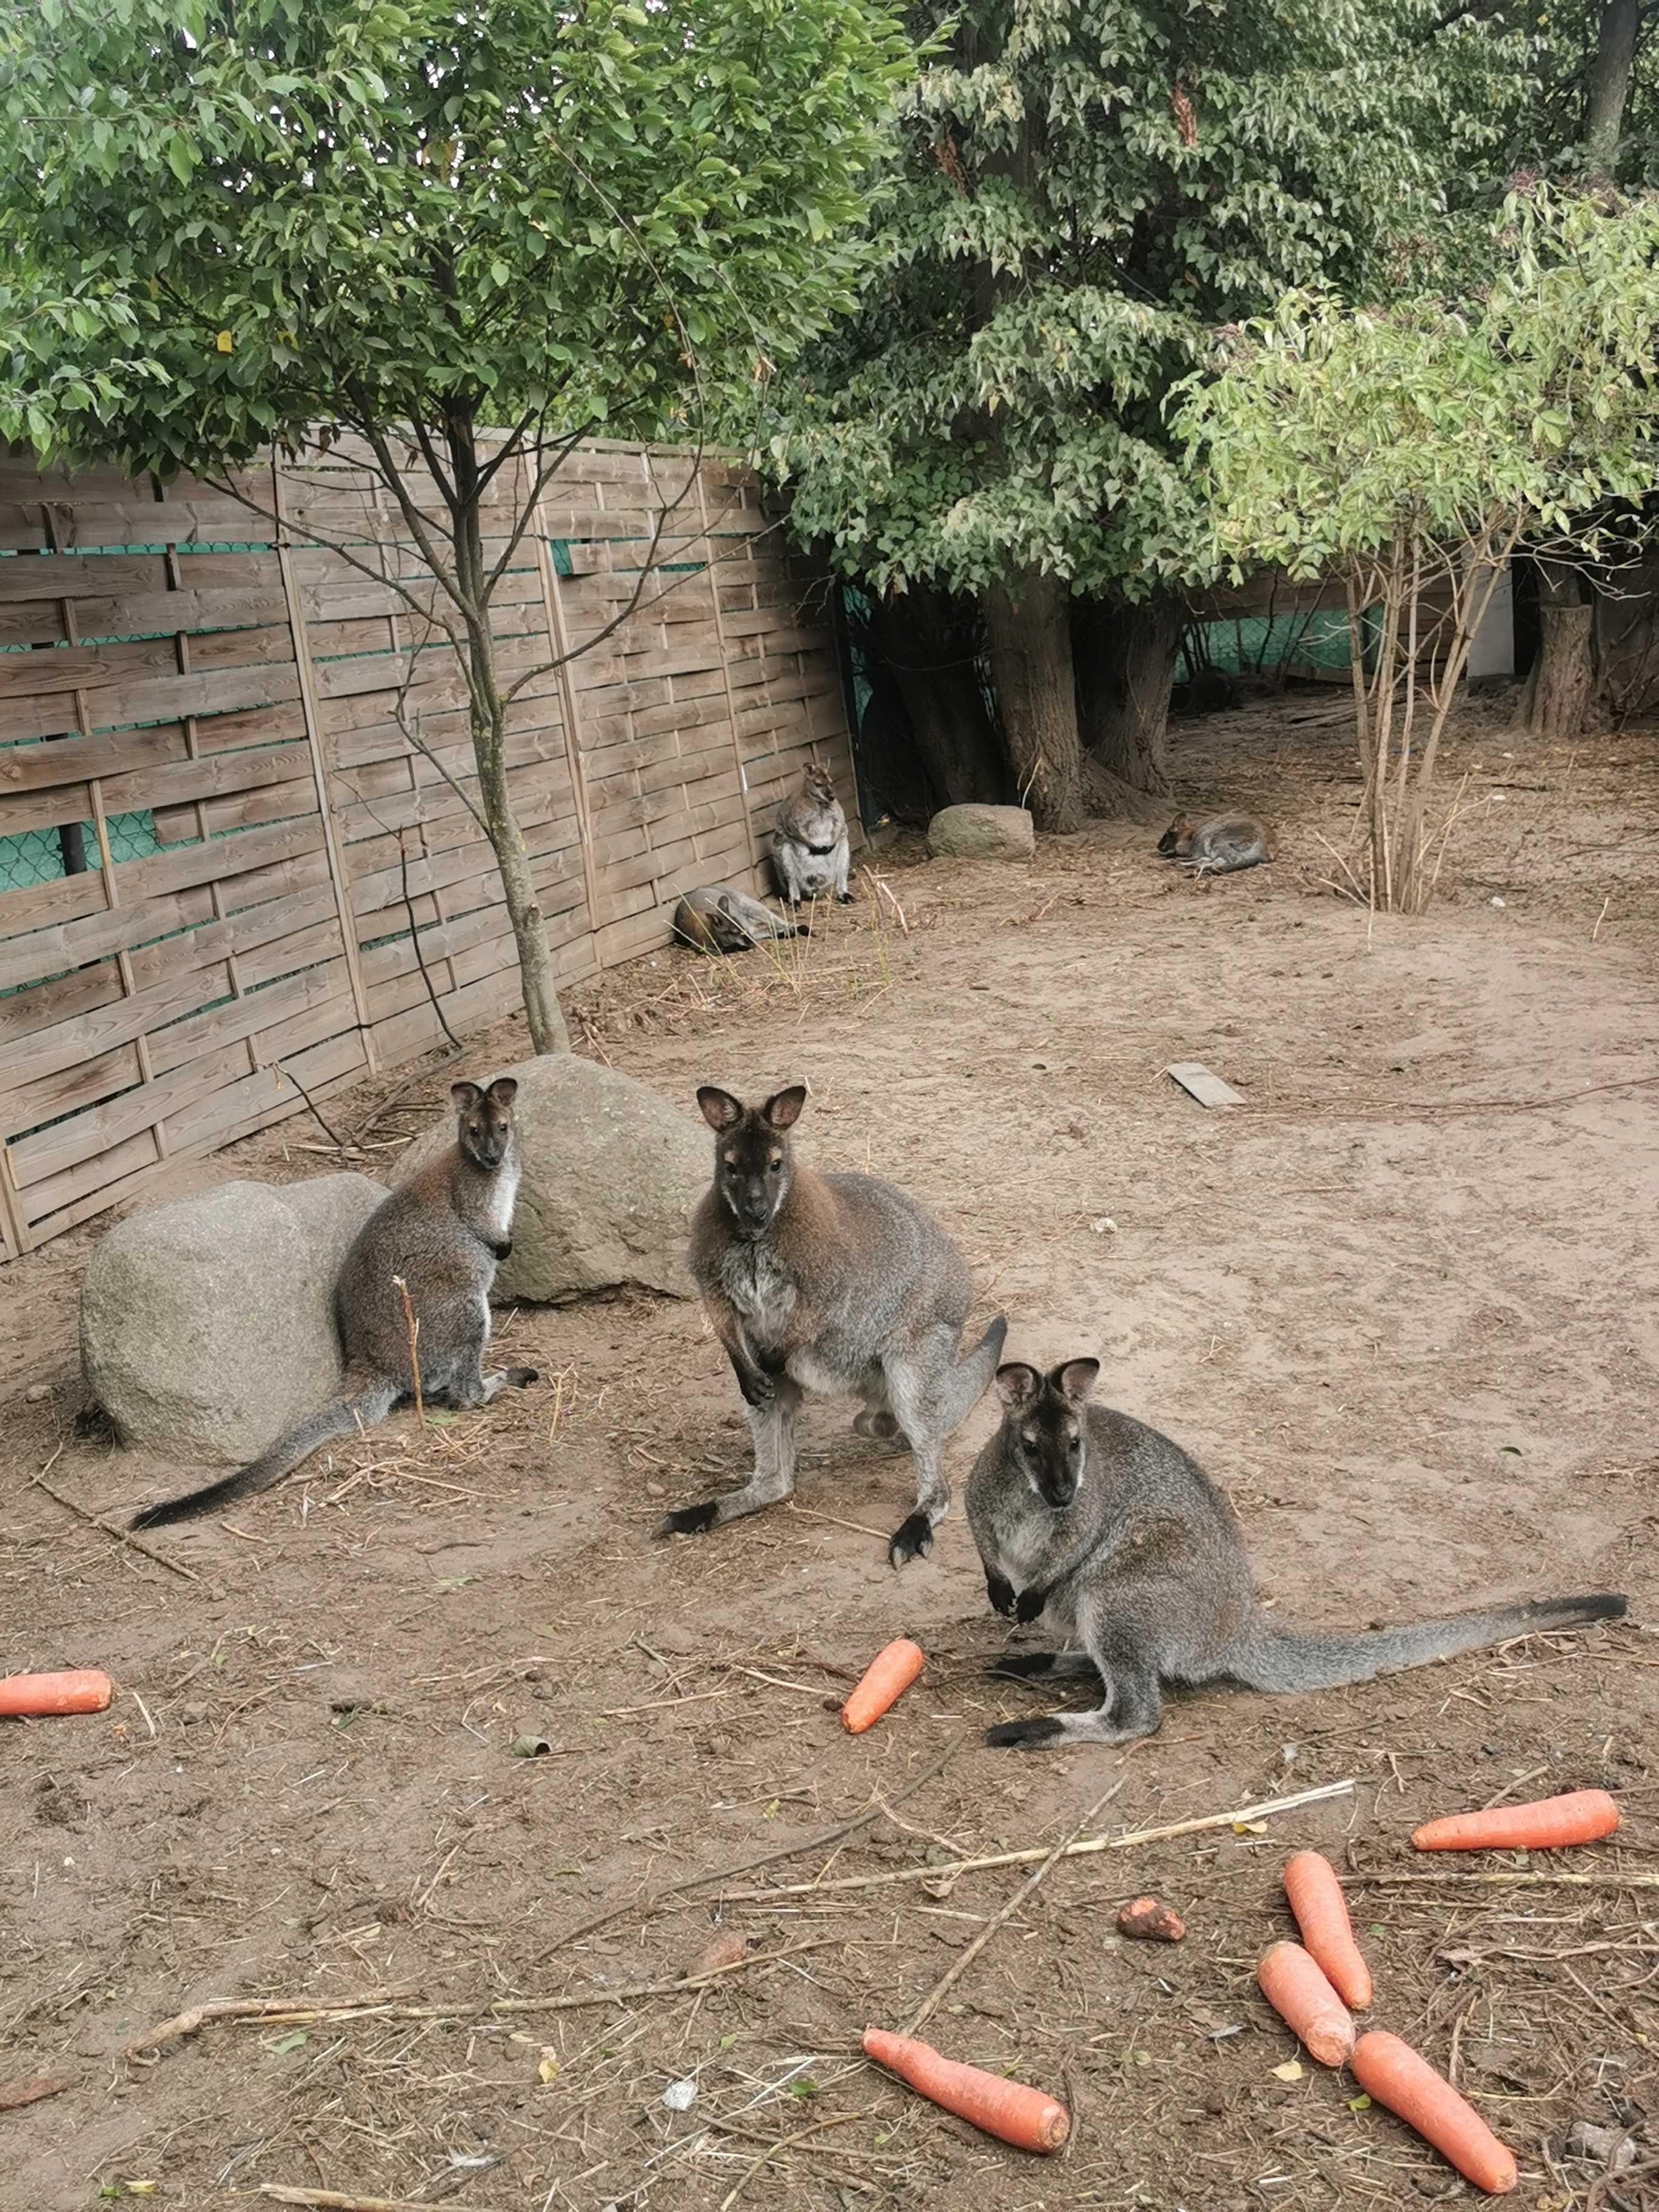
838,1285
1220,845
810,850
1111,1532
720,920
444,1232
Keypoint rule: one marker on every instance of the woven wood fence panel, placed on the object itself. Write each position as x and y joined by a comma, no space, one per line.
233,761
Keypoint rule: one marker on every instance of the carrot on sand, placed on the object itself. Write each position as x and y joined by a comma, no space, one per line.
80,1690
1298,1992
1321,1913
889,1675
1391,2073
1581,1816
1018,2115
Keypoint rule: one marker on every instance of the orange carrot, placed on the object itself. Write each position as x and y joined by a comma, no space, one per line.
82,1690
1391,2073
1299,1993
1020,2116
1579,1817
889,1675
1321,1914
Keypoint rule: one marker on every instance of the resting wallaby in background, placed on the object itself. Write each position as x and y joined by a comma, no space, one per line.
810,850
1220,845
1108,1530
444,1231
839,1284
717,919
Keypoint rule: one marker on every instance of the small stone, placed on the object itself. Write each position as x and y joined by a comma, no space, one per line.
1149,1921
36,1391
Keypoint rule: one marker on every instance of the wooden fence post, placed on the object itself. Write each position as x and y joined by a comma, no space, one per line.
296,625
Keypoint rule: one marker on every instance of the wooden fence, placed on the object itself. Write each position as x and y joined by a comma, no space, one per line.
226,753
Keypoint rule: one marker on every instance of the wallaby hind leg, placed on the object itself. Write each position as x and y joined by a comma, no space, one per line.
772,1426
1038,1667
1132,1707
466,1383
917,1391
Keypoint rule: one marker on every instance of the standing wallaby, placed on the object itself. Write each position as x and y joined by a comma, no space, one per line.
443,1233
810,850
1111,1532
718,920
838,1285
1220,845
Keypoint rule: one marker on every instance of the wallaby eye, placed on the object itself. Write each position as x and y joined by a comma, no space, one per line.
772,1166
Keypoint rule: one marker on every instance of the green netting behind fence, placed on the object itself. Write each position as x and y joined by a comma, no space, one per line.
39,856
1251,643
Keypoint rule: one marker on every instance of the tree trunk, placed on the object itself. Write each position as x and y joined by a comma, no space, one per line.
925,636
1609,89
1031,646
1125,659
1561,695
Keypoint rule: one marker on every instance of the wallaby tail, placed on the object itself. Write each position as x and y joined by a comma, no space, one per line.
971,1377
1269,1658
339,1420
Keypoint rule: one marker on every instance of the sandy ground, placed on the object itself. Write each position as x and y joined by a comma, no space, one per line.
1402,1303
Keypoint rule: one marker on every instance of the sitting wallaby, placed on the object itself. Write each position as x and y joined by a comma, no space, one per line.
1108,1530
720,920
836,1284
443,1233
1220,845
810,850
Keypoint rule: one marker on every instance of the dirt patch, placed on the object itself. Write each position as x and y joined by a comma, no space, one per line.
1402,1303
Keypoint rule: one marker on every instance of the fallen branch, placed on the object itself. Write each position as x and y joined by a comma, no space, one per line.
874,1811
930,2004
1090,1848
1506,1881
787,2143
342,2200
110,1527
283,2008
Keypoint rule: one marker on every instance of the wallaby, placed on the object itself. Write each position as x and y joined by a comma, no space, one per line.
810,850
1128,1548
718,920
443,1232
1220,845
839,1284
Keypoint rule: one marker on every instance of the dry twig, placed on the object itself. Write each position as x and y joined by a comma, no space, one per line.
110,1527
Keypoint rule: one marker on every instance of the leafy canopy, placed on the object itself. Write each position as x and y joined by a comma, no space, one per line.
1334,433
1082,193
226,220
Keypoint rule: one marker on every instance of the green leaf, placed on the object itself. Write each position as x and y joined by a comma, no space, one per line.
295,2040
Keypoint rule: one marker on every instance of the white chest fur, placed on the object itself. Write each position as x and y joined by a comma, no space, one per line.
759,1289
503,1196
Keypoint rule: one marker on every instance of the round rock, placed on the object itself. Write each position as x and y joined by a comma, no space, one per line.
981,833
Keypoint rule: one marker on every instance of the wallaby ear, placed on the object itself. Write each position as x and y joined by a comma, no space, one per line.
503,1091
1075,1379
1018,1384
465,1096
720,1108
782,1109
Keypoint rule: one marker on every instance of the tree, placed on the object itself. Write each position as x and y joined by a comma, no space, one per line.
229,222
1081,193
1412,449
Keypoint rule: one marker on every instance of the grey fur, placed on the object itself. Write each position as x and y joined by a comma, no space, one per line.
810,849
834,1285
444,1232
718,920
1219,846
1123,1545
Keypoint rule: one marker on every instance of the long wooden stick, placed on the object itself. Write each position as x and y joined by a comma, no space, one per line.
1505,1881
1090,1848
930,2003
110,1527
414,1327
197,2017
342,2200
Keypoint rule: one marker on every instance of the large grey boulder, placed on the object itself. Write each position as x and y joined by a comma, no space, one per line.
981,833
610,1173
207,1326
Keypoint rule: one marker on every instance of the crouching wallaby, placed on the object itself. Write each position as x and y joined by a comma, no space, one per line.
1219,846
1111,1533
838,1285
810,851
720,920
441,1235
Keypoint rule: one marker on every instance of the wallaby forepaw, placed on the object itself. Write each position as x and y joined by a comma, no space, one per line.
1029,1604
522,1377
912,1539
1024,1735
690,1520
1001,1592
1021,1666
845,898
504,1250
